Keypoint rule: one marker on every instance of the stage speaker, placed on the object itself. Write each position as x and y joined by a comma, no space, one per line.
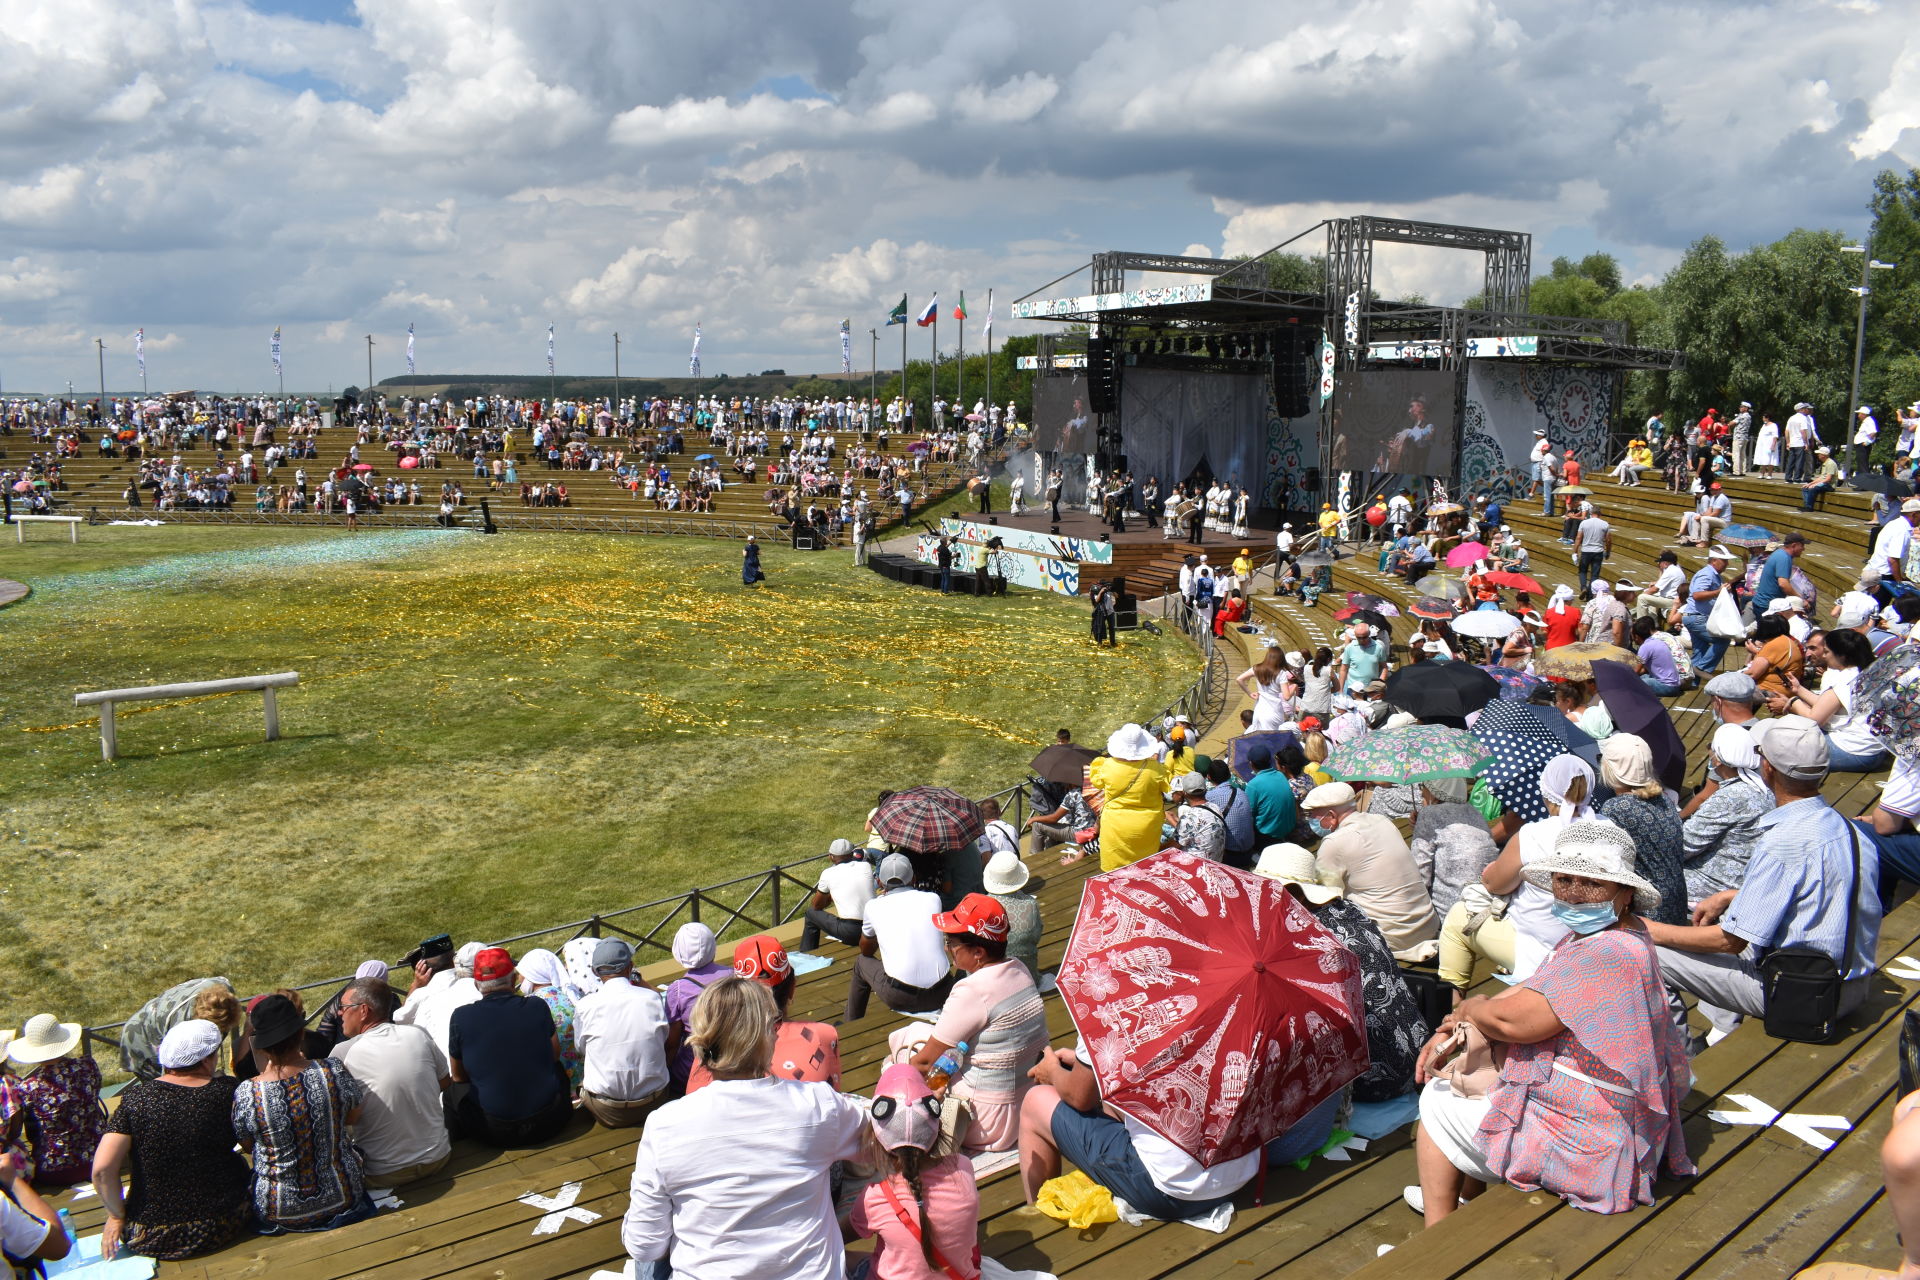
1120,585
1103,376
804,541
1126,610
1312,483
1296,370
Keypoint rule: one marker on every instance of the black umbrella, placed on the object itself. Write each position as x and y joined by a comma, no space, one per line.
1441,690
1638,710
1063,763
1504,715
1371,617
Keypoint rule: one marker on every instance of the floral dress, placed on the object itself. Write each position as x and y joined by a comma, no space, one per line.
1395,1028
64,1118
560,1005
188,1193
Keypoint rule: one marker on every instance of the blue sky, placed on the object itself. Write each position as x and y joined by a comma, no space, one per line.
211,168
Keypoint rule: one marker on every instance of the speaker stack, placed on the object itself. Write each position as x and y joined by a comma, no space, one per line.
1103,376
1296,369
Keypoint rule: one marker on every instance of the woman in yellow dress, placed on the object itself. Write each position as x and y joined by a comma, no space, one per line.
1134,783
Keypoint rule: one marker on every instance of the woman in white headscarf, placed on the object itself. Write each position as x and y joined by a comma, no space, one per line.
1518,940
1562,617
1719,828
577,958
542,974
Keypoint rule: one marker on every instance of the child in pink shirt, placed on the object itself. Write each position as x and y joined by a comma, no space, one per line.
926,1213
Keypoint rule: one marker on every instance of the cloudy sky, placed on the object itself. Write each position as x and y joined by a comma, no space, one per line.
208,169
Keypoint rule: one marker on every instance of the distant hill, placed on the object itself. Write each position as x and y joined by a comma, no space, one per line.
463,385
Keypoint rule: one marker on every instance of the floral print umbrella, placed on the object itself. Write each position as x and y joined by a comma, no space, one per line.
1411,753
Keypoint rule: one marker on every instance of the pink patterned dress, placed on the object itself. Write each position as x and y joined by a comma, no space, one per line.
1593,1114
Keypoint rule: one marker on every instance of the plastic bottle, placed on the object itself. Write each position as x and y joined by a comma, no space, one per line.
946,1066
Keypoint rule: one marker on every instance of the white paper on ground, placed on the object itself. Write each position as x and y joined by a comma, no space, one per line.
988,1163
1215,1220
624,1273
993,1269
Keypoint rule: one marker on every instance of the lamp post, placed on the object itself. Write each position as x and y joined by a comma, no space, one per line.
1868,264
616,378
873,391
100,350
369,395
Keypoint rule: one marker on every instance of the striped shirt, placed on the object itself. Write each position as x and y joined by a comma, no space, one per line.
1795,894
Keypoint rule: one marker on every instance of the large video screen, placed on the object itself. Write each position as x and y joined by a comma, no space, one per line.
1394,420
1062,423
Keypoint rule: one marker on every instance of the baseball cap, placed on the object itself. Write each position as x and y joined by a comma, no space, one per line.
905,1113
977,914
1190,782
495,962
841,848
1734,686
896,868
1911,504
1794,745
763,959
611,955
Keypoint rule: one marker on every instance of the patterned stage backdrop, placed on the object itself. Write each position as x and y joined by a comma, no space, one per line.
1030,558
1293,445
1505,402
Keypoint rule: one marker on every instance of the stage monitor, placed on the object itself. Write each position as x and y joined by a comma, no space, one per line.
1394,420
1062,422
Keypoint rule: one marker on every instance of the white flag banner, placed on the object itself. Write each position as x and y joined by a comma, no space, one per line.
693,361
846,346
140,349
549,351
986,330
276,349
410,349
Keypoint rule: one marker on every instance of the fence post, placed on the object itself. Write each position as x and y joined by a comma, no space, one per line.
777,878
272,707
109,742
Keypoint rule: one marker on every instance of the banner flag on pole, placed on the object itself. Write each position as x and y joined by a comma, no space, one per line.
549,350
986,330
693,361
899,314
931,314
276,349
140,349
410,349
846,345
960,309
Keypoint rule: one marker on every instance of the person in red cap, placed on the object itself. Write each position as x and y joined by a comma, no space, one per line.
801,1050
509,1087
996,1012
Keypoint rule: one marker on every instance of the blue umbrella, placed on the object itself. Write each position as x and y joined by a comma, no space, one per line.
1636,709
1746,535
704,457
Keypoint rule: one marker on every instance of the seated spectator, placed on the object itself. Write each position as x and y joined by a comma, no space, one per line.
1230,799
1851,746
437,990
693,948
61,1095
1587,1105
1719,832
1808,884
939,1236
314,1043
209,999
1395,1027
765,1209
806,1051
1642,807
30,1228
329,1025
998,834
503,1048
402,1129
625,1041
1776,658
1452,844
1198,826
1659,672
543,975
188,1191
846,885
1006,878
1063,1116
1271,797
1364,856
295,1114
902,956
996,1013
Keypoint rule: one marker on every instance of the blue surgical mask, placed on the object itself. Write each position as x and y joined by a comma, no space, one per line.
1585,917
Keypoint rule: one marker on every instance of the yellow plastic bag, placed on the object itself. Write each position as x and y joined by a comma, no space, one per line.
1076,1200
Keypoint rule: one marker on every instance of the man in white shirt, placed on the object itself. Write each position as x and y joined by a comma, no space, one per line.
1865,432
1800,437
402,1132
1542,467
903,955
1659,599
438,988
29,1226
1887,563
621,1032
846,885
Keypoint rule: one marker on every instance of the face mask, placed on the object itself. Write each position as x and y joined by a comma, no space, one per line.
1585,918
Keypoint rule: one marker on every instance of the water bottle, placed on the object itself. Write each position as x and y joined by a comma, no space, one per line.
946,1066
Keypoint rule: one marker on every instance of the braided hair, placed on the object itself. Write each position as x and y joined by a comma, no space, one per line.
911,1162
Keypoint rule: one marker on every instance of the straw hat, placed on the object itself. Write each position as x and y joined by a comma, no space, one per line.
1005,873
43,1039
1598,851
1291,864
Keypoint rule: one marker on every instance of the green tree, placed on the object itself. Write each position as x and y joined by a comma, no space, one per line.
1891,375
1009,382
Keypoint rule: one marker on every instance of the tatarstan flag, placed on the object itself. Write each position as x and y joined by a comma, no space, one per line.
960,307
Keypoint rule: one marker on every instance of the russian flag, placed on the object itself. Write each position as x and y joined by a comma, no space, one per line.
931,314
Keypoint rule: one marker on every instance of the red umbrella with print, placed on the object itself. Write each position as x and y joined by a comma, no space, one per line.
1216,1009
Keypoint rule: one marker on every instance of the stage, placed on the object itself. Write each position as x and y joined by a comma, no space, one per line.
1077,524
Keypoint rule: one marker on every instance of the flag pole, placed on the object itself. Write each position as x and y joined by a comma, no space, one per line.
904,400
933,370
990,354
960,365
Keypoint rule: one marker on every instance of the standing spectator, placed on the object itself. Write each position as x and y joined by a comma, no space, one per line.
61,1093
402,1129
503,1047
1886,566
1134,783
1705,588
1006,878
902,956
1801,435
1592,544
624,1041
845,885
188,1190
1742,432
1363,660
1865,432
1364,856
295,1115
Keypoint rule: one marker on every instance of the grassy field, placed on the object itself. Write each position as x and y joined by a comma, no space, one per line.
491,735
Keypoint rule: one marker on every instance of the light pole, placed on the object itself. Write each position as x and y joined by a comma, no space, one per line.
369,396
873,391
100,350
1868,264
616,378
